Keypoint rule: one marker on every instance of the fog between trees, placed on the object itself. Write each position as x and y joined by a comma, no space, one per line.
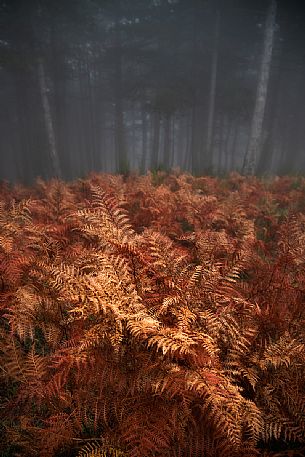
116,86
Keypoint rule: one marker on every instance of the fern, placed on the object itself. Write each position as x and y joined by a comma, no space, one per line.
97,450
125,335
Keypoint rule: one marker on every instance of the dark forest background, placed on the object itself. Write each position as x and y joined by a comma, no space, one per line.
117,86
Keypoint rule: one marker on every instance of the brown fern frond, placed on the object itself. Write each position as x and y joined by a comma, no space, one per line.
282,352
142,325
147,431
56,435
100,450
6,243
173,343
13,360
106,219
52,332
276,426
110,331
23,435
22,315
34,367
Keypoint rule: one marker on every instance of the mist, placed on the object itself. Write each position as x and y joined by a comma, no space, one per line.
152,228
208,87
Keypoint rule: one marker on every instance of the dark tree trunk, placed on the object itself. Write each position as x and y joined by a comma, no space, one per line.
155,141
144,141
122,165
167,143
212,96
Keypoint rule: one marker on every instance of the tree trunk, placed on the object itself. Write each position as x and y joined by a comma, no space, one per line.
234,146
173,143
155,141
255,139
49,125
119,131
195,140
187,160
268,148
144,141
212,94
227,162
222,143
167,143
91,97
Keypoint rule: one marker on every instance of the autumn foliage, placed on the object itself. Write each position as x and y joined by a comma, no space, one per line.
153,316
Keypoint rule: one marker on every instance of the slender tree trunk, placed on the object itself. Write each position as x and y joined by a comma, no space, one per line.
133,142
285,162
227,145
155,141
85,159
225,139
181,142
187,160
195,140
25,170
144,141
49,125
173,143
212,95
167,143
195,128
100,110
59,101
255,139
119,138
234,146
223,143
91,96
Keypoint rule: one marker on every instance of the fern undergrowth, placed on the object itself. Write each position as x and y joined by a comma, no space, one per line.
143,318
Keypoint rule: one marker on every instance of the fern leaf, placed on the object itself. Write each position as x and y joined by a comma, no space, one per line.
100,450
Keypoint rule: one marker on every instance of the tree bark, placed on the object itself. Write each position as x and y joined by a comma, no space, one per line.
144,141
232,166
255,139
49,125
119,139
155,141
195,140
212,94
167,143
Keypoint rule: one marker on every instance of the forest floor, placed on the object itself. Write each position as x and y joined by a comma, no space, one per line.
157,315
